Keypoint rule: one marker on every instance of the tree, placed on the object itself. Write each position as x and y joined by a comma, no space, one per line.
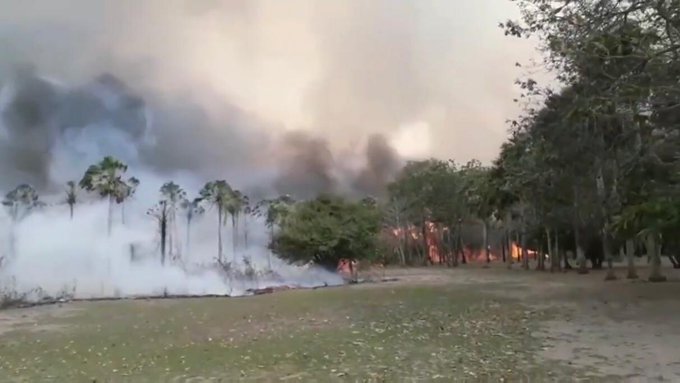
106,179
173,195
327,229
126,192
71,196
618,61
20,202
191,209
218,194
478,196
235,205
275,211
161,213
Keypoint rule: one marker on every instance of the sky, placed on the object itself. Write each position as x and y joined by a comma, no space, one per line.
434,77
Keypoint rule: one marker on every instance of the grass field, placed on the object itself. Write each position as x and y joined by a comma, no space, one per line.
431,325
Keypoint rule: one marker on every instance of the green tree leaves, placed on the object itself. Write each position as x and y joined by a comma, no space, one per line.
327,229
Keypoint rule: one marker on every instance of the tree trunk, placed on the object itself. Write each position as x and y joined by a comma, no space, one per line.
558,252
486,242
401,247
234,235
219,233
164,233
170,237
503,248
655,264
122,213
245,231
525,252
70,207
630,257
12,241
508,240
456,247
188,245
602,196
442,244
426,249
540,258
611,274
109,222
463,258
580,255
269,252
551,251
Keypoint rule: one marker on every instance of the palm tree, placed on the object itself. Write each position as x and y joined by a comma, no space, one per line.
126,191
191,210
160,213
20,202
248,209
174,195
106,179
71,196
218,194
275,212
234,208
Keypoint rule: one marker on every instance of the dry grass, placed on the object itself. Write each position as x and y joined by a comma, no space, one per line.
431,325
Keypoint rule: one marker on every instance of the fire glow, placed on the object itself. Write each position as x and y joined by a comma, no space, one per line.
434,240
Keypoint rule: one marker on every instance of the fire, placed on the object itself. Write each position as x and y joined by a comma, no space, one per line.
347,268
516,252
433,238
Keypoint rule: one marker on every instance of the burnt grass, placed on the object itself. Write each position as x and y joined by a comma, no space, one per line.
362,333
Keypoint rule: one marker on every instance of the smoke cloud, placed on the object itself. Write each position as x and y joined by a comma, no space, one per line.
298,97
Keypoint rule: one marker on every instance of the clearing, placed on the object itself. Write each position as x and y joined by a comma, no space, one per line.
432,324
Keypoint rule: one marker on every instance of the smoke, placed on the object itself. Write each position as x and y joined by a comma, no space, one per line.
52,132
382,165
298,97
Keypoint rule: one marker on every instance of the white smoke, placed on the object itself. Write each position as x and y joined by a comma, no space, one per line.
48,253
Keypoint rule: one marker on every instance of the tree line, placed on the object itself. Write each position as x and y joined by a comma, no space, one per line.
596,161
590,170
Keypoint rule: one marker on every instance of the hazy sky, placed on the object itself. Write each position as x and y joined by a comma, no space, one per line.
434,76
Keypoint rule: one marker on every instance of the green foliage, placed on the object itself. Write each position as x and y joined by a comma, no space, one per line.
173,194
106,179
656,216
192,209
327,229
275,211
21,201
600,154
218,194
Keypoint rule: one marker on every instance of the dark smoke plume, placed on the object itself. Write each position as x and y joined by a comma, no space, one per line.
382,165
43,121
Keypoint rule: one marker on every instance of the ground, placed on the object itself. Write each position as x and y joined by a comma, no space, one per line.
432,324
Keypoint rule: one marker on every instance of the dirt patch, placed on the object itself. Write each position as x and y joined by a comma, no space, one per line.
34,318
621,330
628,329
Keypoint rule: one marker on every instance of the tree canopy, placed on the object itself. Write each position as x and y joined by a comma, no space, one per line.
327,229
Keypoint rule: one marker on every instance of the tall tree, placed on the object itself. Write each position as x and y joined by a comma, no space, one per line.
218,194
20,202
191,209
71,196
235,206
161,213
106,179
173,194
276,212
